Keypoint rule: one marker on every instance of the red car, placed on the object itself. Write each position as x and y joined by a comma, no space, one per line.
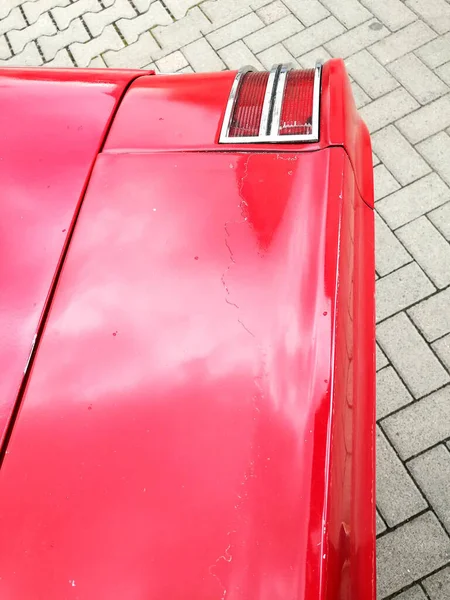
190,260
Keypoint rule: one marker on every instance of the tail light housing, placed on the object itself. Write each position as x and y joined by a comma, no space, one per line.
280,107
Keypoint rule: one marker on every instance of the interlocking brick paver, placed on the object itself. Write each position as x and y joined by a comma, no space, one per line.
384,182
394,14
417,78
437,151
401,289
442,349
406,40
441,219
274,33
431,471
411,552
238,55
429,248
438,585
397,53
403,161
420,425
413,200
370,75
398,498
349,13
435,12
435,53
413,359
388,108
426,121
432,316
391,392
357,39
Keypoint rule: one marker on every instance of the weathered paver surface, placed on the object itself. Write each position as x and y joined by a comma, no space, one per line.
398,55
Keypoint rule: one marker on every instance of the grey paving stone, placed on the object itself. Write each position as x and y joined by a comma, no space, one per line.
360,96
429,248
434,12
309,59
442,349
406,40
441,219
370,75
431,471
432,316
231,33
398,498
417,78
420,425
381,359
272,34
411,356
413,200
391,392
272,12
276,55
402,160
413,593
314,36
426,121
202,57
394,14
238,55
388,108
384,182
308,11
438,585
349,13
410,552
380,524
389,252
436,52
437,151
400,289
357,38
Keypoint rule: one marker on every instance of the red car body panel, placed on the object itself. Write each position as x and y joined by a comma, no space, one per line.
198,421
52,124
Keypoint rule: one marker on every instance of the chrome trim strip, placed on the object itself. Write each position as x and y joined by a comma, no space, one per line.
273,137
278,104
271,88
231,102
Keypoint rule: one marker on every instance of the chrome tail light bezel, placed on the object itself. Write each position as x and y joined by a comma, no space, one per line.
272,107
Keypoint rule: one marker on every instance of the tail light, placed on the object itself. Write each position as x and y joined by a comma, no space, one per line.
277,107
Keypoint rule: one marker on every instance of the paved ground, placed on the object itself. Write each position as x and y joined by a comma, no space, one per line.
398,54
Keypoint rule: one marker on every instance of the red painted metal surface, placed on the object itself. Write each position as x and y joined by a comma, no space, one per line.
198,421
52,124
186,113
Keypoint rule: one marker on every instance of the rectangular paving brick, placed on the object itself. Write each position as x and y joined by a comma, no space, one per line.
438,585
274,55
410,552
413,200
429,248
274,33
314,36
309,59
202,57
350,13
417,78
437,152
442,349
356,39
432,316
391,392
435,12
394,14
420,425
382,361
426,121
223,12
413,593
402,160
431,471
380,524
308,11
360,96
435,53
230,33
400,289
238,55
406,40
272,12
384,182
370,75
411,356
398,498
388,108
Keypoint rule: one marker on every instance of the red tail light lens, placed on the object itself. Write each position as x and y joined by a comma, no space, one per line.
297,108
246,117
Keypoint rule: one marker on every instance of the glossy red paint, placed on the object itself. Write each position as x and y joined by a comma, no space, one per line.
198,422
167,113
52,124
